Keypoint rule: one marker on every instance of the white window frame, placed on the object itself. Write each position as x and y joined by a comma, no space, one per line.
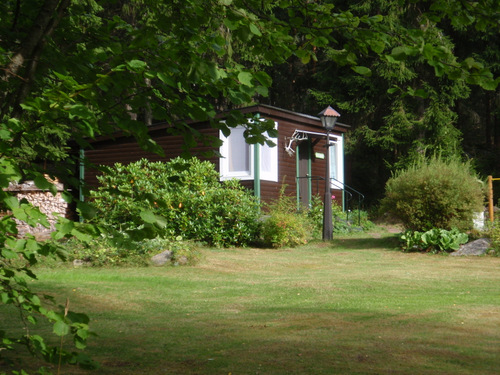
272,152
336,150
225,170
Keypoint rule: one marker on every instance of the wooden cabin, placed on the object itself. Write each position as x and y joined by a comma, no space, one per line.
298,160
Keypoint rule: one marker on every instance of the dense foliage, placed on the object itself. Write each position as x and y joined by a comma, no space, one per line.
406,103
435,193
71,70
184,196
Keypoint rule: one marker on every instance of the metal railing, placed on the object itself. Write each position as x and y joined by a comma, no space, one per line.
349,192
352,197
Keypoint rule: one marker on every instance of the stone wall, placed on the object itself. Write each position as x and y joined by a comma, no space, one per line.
45,201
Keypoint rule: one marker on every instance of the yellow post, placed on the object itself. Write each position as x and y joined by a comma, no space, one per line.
490,197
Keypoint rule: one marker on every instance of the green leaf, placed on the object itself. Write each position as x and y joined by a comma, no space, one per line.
263,78
261,90
166,78
11,202
5,134
363,70
61,328
398,53
148,216
303,55
42,183
86,210
80,111
81,236
65,227
320,41
377,18
421,93
489,84
136,65
9,172
377,46
255,30
230,24
245,78
470,63
8,253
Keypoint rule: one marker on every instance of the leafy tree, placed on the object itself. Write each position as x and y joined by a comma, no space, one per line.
76,69
407,94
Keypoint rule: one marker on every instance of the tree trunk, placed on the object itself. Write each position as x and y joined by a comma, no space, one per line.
31,48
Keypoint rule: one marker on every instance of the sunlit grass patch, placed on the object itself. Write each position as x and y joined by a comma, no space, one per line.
352,306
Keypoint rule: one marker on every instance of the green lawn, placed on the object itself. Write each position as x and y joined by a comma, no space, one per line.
352,306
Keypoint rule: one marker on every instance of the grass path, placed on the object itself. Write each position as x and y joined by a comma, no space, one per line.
352,306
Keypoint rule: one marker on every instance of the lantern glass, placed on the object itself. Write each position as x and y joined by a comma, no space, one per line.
328,118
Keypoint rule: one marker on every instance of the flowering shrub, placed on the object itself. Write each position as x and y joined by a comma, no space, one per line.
184,196
286,226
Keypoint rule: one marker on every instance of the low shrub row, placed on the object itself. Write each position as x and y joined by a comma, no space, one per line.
181,203
102,251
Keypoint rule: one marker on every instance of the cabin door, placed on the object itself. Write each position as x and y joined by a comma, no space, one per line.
304,173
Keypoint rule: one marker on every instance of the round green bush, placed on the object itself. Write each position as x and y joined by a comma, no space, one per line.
185,195
435,193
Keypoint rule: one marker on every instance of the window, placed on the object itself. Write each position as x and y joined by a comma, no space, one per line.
337,161
238,158
269,161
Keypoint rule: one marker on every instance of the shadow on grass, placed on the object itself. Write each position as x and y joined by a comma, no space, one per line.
388,243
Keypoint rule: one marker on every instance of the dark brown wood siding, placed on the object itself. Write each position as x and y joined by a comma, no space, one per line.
125,150
107,151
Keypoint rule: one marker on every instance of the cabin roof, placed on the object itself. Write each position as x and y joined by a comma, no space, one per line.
263,109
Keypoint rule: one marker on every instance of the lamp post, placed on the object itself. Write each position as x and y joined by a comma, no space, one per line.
328,118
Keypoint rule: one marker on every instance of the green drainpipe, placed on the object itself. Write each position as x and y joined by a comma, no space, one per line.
256,170
309,172
82,178
297,175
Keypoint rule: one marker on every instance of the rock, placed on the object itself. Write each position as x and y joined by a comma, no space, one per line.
80,263
183,260
477,247
162,258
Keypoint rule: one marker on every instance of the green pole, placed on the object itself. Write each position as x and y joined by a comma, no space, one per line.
81,197
256,169
309,172
297,175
